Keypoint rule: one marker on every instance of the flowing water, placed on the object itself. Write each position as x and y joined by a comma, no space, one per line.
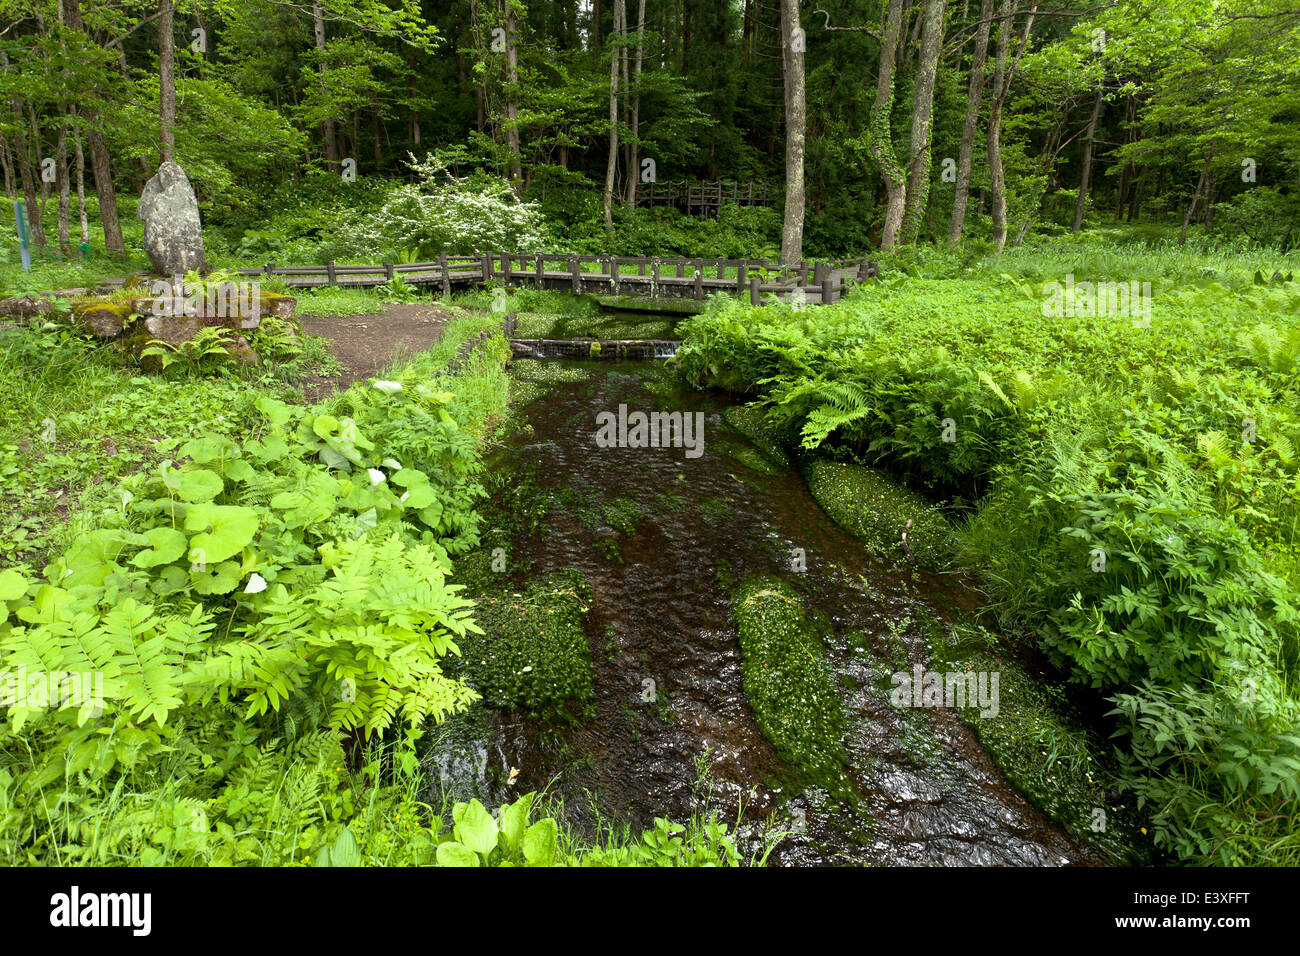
927,793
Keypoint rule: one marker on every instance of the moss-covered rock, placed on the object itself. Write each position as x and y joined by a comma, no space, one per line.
101,317
787,679
1040,743
533,651
873,507
751,422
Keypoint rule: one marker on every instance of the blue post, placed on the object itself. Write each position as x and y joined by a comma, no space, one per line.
20,216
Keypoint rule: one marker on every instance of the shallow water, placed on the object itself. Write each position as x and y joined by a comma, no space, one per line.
928,794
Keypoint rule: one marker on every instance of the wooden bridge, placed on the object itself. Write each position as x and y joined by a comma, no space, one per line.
815,282
703,198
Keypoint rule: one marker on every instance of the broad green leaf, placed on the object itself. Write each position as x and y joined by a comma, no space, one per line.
453,854
224,531
12,585
165,546
476,829
513,821
540,842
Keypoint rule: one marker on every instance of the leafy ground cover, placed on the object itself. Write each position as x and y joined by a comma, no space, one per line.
1127,485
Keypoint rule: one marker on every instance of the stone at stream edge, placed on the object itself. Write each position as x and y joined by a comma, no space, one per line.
173,231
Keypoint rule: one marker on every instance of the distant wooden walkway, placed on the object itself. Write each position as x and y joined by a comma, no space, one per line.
702,198
816,282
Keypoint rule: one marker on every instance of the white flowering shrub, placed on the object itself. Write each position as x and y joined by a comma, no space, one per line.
440,213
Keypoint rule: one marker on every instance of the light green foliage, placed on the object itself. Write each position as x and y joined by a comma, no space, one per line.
787,679
1133,492
243,603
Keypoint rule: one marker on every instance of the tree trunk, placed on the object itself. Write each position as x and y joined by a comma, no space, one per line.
1196,195
1002,77
634,159
612,165
65,193
1085,176
512,95
974,94
918,170
880,139
796,124
166,80
327,125
79,158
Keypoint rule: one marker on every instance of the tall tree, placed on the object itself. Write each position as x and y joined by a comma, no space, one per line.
880,142
1003,74
974,94
918,170
166,80
1085,175
796,127
612,166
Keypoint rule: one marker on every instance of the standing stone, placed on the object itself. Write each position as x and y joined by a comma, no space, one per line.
173,234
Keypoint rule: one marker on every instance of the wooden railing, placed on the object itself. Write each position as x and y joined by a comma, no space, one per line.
610,275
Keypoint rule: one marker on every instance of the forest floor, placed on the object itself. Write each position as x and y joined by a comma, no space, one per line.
366,345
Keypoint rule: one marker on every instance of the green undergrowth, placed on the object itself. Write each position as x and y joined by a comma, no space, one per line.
1130,481
1040,742
871,506
260,606
788,682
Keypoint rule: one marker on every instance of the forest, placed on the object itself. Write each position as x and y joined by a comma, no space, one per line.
655,433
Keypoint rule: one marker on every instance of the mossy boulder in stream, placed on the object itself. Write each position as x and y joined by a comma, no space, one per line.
873,507
533,652
788,681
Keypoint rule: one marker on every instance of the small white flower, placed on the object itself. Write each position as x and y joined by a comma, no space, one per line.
256,584
377,477
389,388
528,669
405,495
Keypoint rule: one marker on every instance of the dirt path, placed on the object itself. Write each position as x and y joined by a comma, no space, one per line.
366,344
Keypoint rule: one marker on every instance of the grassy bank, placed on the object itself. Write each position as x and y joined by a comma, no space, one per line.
1127,489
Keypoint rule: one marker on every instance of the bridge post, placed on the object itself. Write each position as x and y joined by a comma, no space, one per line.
270,268
654,278
699,279
828,286
388,271
446,274
863,269
755,297
485,263
741,271
541,272
576,271
330,275
507,267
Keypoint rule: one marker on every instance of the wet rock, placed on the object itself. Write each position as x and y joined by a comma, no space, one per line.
173,231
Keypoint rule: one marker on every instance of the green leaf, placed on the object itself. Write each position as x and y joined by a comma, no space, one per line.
216,578
12,585
540,843
165,546
200,485
476,829
345,851
453,854
513,821
224,531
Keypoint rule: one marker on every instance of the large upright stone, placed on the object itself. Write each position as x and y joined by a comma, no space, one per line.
173,234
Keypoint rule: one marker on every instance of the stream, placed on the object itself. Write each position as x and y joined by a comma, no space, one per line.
926,792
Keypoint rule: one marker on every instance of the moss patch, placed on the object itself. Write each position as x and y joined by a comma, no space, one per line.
751,423
1040,744
871,506
788,681
533,652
